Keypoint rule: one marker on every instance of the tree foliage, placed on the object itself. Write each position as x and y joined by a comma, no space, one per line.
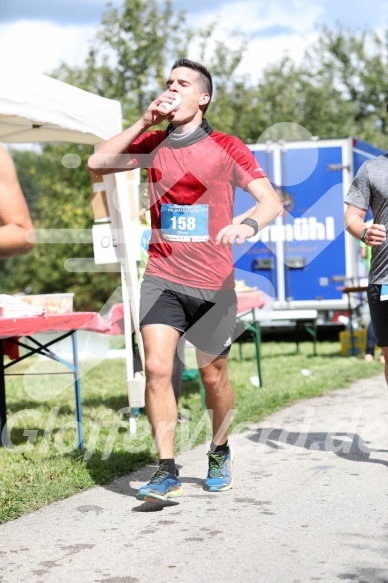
355,65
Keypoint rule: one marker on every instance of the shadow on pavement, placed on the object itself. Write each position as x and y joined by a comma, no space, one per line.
350,446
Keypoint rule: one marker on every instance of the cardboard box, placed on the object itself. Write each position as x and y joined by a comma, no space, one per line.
99,200
100,205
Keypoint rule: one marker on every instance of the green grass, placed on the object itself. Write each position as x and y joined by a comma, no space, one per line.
50,468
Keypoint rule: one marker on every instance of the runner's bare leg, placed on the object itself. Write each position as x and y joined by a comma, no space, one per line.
160,345
219,395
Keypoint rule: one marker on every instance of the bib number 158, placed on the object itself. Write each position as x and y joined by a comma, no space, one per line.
183,223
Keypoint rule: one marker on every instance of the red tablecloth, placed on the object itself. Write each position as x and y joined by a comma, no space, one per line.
116,319
249,300
53,323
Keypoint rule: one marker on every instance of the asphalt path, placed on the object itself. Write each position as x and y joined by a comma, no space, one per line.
309,503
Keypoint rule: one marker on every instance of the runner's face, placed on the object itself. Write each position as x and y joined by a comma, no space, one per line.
186,82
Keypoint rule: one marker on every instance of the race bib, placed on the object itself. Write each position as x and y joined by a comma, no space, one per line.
185,222
384,292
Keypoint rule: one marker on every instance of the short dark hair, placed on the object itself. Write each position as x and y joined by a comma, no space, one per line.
205,78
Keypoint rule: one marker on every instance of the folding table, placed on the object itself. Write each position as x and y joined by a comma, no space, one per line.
247,304
12,330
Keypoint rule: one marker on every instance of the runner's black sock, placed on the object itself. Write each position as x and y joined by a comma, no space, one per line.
223,448
170,462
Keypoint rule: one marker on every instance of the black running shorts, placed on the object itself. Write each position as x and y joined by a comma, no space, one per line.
379,314
207,318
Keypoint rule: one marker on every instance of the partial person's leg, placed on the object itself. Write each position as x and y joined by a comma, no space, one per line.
177,381
219,399
370,344
384,350
379,315
177,374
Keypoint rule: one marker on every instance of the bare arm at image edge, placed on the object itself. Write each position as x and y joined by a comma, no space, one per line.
16,228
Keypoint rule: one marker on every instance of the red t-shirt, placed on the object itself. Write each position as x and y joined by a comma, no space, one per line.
205,173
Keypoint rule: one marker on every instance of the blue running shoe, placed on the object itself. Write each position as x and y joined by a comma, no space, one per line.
163,485
220,477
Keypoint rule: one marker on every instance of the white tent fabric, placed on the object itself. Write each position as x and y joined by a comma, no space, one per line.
37,108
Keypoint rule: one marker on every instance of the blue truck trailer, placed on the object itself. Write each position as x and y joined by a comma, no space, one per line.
304,256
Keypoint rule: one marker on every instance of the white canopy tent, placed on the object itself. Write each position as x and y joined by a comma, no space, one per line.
38,108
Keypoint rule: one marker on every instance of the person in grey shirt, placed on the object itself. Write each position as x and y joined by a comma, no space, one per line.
369,189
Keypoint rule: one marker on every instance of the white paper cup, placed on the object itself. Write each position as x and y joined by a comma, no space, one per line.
171,106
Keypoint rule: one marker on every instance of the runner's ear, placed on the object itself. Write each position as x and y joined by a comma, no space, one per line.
204,99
